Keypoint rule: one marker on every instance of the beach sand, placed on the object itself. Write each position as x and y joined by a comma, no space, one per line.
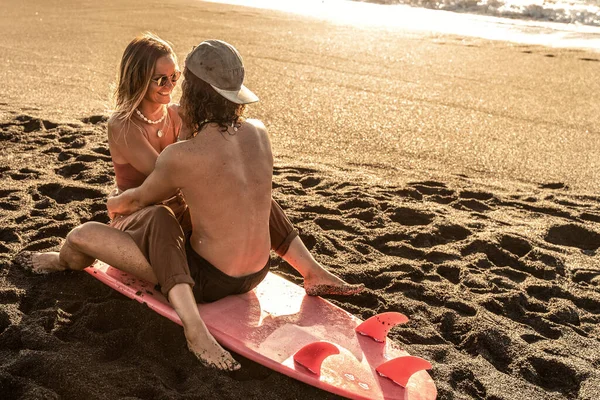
456,177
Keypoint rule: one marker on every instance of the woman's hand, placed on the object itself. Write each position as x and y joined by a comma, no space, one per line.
112,204
123,204
115,192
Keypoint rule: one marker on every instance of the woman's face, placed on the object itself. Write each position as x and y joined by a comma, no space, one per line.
165,66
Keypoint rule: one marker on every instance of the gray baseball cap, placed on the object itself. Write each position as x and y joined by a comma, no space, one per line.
220,65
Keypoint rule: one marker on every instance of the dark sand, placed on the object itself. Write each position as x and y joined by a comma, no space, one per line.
457,178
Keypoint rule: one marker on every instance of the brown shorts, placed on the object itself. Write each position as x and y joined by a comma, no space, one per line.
281,230
213,284
160,235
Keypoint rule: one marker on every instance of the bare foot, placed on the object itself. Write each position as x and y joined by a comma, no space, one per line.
327,283
210,353
39,263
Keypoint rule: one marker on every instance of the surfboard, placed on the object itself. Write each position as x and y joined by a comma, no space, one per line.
304,337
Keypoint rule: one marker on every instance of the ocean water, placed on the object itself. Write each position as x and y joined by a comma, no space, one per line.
553,23
584,12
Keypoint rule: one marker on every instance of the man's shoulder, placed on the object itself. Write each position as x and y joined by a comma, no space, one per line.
256,123
175,151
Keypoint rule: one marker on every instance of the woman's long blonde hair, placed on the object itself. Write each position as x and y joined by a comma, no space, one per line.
136,70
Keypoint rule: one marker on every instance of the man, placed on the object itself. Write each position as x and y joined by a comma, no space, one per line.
224,171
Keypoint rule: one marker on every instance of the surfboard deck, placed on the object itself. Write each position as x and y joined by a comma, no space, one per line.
274,322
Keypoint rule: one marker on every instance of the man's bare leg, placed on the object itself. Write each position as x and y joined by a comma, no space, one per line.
200,341
87,243
317,280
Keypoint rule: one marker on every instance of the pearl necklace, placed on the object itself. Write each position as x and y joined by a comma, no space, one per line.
151,122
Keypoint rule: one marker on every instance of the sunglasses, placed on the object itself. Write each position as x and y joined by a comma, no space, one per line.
162,80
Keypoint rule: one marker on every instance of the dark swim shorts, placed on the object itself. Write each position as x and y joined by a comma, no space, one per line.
212,284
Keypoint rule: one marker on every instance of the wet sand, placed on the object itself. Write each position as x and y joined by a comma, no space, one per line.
455,177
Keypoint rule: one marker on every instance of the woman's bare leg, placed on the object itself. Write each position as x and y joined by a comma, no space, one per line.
317,280
200,341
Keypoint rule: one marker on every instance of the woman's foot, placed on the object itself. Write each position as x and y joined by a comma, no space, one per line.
39,263
325,283
210,353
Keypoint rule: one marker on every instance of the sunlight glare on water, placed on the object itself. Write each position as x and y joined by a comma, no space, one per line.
434,21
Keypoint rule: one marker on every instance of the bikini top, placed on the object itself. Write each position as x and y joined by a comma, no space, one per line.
127,176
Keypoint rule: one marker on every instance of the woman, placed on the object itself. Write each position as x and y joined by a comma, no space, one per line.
143,124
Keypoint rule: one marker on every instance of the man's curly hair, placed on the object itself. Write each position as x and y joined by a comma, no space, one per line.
201,105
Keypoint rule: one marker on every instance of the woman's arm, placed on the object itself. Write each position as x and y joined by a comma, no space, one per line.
128,145
157,187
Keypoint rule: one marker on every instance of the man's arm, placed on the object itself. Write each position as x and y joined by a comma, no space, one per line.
160,185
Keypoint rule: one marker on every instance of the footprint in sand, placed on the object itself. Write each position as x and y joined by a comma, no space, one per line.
102,150
516,245
529,204
336,224
405,192
100,179
432,188
471,194
471,205
25,173
95,119
8,238
550,373
73,141
52,150
64,194
451,273
31,124
590,217
91,158
361,203
320,209
9,201
590,277
497,347
573,235
554,185
309,181
410,216
58,230
71,169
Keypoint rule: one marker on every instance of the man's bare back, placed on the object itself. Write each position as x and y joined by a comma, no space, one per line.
225,178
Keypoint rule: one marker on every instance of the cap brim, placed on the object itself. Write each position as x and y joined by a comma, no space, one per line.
242,96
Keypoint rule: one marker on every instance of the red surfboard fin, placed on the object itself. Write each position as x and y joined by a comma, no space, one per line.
378,326
401,369
312,355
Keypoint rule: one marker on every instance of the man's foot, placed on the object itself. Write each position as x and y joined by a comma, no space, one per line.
39,263
211,354
329,284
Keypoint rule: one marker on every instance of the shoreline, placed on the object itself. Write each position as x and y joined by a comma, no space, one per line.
459,22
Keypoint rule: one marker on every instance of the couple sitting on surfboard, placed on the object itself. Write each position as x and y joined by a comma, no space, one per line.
217,241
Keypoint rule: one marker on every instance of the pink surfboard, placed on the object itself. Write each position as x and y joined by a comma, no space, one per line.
306,338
